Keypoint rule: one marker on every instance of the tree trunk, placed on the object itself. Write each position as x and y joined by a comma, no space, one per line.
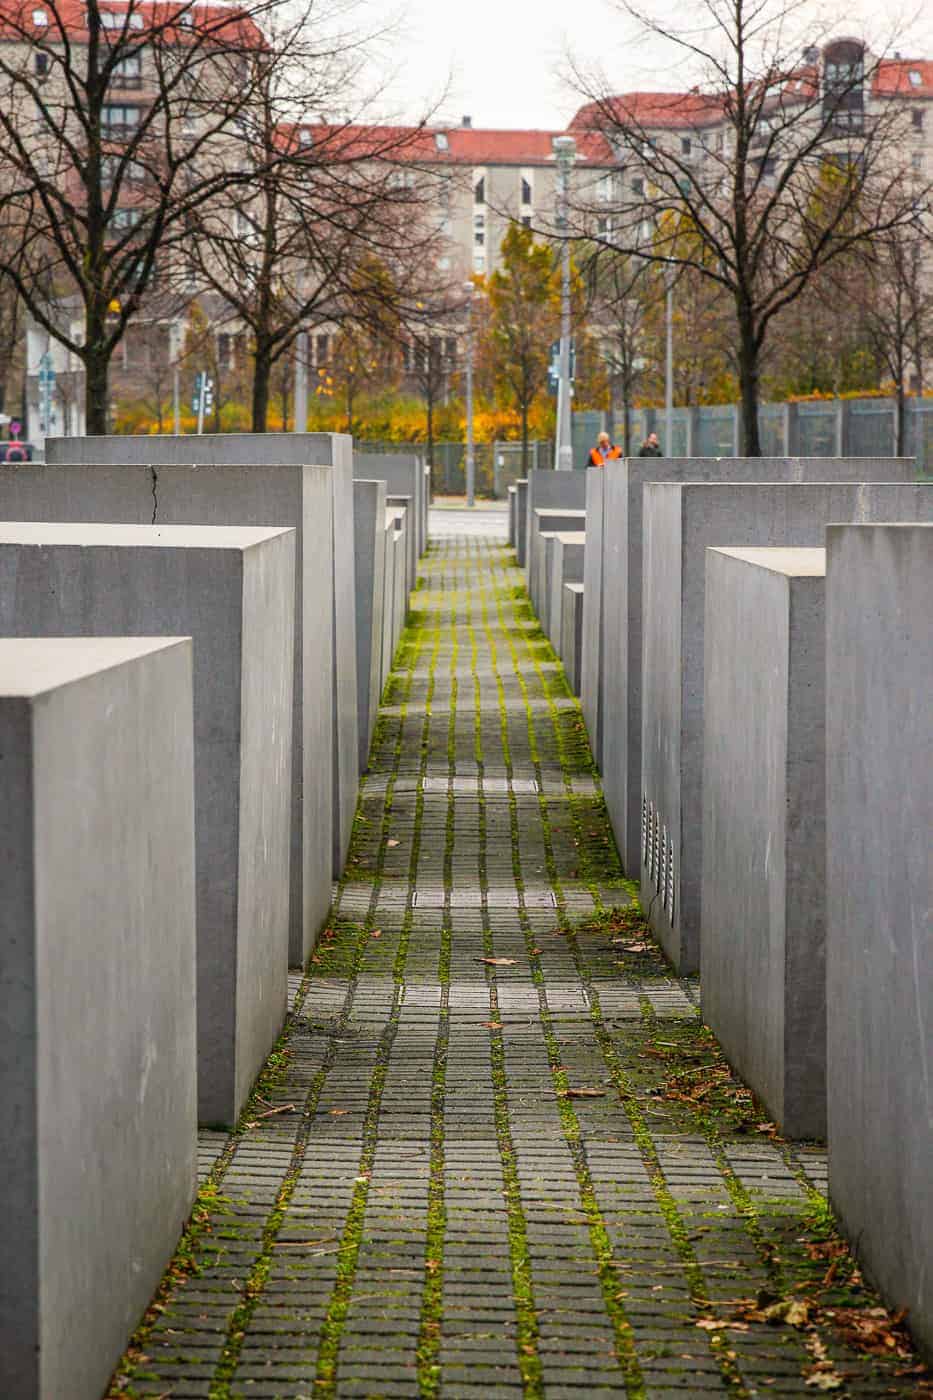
748,382
262,374
96,382
524,438
430,407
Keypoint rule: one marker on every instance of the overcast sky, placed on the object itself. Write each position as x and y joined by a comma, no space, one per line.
505,56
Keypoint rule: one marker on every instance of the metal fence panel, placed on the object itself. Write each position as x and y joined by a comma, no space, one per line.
715,432
772,429
818,429
871,428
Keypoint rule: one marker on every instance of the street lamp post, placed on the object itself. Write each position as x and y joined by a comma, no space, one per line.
669,367
301,382
565,148
470,454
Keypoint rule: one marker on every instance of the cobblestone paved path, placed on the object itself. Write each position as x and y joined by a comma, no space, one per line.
496,1152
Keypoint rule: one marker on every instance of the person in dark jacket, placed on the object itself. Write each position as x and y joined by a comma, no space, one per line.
650,447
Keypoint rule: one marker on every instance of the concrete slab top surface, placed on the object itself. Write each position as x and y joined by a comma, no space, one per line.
574,587
155,536
570,536
548,512
799,562
31,666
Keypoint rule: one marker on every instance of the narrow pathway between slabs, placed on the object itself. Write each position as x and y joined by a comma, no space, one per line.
496,1153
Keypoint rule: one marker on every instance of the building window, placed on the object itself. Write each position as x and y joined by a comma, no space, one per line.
128,72
526,221
638,186
132,172
479,191
440,141
479,262
916,161
479,230
916,118
41,64
686,145
443,264
125,218
116,119
526,191
916,79
321,349
40,19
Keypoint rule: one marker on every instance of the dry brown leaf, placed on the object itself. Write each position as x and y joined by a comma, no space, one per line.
493,1025
582,1093
339,1112
376,933
393,843
499,962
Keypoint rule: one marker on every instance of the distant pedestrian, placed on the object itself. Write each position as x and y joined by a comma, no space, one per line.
604,451
650,447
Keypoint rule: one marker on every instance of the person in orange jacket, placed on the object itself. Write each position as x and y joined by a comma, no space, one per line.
604,451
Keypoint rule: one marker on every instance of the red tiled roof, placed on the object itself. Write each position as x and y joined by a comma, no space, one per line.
445,145
892,78
650,109
214,18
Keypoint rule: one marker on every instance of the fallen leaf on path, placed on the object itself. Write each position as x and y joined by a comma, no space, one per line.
376,933
339,1112
499,962
582,1093
493,1025
393,843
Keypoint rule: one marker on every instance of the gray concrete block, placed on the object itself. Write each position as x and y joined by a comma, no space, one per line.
571,633
763,923
250,451
680,522
401,576
392,553
551,489
566,566
622,597
405,474
98,1089
300,497
232,590
879,811
369,507
521,520
406,507
546,521
590,655
512,493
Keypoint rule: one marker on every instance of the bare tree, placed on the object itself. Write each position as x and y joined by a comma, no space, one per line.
432,352
330,230
118,125
778,167
621,292
11,309
523,319
896,310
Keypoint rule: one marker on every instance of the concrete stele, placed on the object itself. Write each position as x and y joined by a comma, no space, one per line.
250,452
590,658
566,566
763,920
550,489
232,590
547,521
405,474
98,1085
521,520
368,516
680,522
879,991
621,651
571,640
296,496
